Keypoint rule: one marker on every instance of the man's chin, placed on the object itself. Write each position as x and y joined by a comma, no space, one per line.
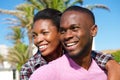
73,55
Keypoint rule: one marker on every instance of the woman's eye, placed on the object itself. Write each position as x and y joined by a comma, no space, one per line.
34,36
46,32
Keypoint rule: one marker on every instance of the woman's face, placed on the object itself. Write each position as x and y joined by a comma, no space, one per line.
45,36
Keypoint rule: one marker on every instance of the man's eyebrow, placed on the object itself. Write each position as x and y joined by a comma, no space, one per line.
71,26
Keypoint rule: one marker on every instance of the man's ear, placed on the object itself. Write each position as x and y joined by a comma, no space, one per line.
94,30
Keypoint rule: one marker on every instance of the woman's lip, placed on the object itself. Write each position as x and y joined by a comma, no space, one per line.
43,48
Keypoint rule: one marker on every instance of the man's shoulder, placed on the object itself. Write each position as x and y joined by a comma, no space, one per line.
101,58
55,65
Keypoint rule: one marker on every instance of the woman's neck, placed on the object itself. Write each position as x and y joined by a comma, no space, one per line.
52,57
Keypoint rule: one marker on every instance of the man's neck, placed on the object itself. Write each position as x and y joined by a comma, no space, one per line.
84,61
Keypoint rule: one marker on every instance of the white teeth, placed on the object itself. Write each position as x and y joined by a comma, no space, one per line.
70,44
41,47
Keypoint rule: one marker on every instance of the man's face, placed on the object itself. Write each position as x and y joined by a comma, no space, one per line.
76,34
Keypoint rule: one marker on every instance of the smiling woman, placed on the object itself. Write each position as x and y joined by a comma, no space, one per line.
46,37
45,32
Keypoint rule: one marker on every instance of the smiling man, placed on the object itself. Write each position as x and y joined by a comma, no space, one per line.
77,28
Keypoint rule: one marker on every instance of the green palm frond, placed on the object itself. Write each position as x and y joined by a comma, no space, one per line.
15,13
27,18
12,21
16,36
101,6
38,4
79,2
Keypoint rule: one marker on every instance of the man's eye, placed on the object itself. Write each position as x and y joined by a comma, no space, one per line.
62,31
75,28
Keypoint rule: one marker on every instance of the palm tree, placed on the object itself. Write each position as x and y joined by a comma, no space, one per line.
27,21
18,55
17,35
1,58
55,4
23,16
62,4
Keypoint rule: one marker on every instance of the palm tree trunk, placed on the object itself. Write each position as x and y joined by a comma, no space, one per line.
30,47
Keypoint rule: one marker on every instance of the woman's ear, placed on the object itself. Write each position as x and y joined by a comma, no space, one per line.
94,30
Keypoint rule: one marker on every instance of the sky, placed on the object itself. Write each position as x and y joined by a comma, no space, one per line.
107,22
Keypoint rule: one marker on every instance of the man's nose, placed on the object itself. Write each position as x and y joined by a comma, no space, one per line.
68,34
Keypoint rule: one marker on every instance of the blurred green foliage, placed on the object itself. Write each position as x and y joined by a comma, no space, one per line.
116,55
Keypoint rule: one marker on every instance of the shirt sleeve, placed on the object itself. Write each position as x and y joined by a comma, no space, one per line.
28,68
101,58
25,72
31,65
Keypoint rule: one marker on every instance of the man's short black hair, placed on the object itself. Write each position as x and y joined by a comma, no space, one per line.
81,9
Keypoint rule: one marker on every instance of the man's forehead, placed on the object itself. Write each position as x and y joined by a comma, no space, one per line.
69,13
73,14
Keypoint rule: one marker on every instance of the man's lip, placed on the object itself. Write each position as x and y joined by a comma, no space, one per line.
71,45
